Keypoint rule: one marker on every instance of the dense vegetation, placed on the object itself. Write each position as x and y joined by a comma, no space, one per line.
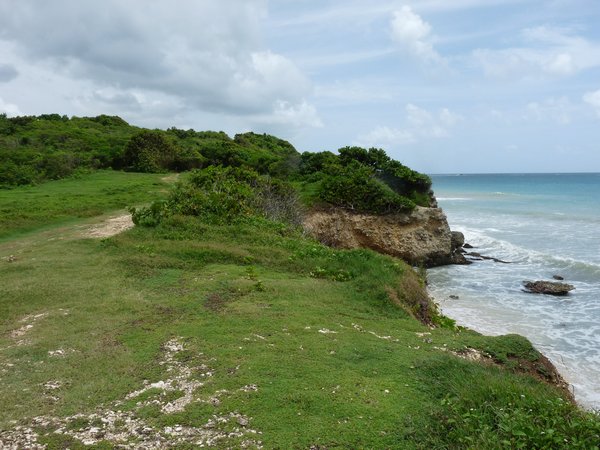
34,149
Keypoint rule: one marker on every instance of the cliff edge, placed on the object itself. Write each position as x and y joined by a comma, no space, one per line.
420,237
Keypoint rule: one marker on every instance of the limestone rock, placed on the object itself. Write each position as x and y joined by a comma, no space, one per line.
421,237
548,287
458,239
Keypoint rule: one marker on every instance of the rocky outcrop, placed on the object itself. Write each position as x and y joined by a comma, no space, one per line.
547,287
474,256
421,237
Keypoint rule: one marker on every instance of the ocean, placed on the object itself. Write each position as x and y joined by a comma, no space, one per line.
544,225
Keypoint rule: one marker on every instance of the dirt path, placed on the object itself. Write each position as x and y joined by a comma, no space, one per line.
96,228
110,227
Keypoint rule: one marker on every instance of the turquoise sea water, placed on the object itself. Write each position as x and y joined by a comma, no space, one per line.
545,225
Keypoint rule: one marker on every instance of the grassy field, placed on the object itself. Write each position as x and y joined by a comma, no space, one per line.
244,336
28,208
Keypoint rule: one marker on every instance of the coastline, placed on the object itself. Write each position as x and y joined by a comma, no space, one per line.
544,226
568,383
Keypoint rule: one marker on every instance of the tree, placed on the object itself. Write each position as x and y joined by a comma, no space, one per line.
149,151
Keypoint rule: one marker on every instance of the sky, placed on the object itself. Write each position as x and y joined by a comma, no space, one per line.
444,86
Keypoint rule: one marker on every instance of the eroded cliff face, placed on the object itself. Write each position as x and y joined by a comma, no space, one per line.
421,237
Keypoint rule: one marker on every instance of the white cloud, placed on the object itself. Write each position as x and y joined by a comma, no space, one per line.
208,55
9,109
386,137
556,110
547,52
522,63
355,91
593,99
449,118
290,115
419,124
425,124
413,34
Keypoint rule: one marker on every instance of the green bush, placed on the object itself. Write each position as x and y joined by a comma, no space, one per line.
150,152
224,195
364,180
150,216
355,187
312,163
521,423
12,174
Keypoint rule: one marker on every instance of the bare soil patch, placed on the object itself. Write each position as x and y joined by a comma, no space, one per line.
125,427
110,227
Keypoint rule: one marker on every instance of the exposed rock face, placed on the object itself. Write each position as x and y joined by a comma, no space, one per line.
548,287
458,239
420,237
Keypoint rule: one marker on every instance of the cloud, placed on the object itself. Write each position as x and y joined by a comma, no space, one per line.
557,110
7,73
419,124
546,52
386,137
9,109
360,92
290,115
593,99
413,34
206,55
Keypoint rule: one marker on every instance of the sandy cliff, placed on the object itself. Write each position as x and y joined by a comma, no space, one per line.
421,237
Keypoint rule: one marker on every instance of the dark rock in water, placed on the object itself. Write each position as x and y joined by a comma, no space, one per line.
467,246
498,260
558,277
457,240
454,297
479,257
459,258
547,287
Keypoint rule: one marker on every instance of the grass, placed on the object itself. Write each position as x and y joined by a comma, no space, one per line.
310,346
30,208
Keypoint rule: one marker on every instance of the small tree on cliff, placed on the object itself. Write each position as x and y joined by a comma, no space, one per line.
149,151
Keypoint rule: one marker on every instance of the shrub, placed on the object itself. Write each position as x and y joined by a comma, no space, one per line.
12,174
365,180
311,163
225,195
404,179
520,423
355,187
149,151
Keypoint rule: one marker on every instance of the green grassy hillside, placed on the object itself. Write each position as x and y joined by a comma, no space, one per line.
29,208
200,332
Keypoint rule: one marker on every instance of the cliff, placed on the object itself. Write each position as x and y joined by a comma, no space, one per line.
421,237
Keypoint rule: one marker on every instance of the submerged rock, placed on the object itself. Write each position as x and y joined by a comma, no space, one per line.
474,256
547,287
